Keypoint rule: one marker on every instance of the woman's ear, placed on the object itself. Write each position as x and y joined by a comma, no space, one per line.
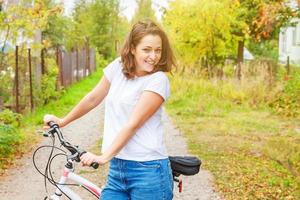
132,50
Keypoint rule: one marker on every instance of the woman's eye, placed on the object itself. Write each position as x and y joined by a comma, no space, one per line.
149,50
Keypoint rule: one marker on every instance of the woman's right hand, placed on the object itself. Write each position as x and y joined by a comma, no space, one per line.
48,118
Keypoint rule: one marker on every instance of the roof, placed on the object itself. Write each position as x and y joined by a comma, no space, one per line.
247,54
6,47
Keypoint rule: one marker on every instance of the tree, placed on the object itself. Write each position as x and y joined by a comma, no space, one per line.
211,29
21,23
258,20
98,24
144,11
56,27
203,30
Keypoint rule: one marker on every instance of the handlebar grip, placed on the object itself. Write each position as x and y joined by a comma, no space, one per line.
95,165
52,123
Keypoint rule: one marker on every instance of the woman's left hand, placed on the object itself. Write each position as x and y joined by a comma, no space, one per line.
88,158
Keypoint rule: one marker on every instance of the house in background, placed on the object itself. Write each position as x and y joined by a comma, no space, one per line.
289,39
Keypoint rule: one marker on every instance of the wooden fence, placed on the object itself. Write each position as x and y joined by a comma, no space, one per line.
75,65
27,71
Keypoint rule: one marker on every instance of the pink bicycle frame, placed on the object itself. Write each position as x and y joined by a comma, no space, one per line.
69,174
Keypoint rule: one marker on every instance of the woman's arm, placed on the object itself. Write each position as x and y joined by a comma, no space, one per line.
90,101
147,105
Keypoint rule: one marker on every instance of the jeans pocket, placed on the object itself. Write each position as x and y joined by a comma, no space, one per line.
149,164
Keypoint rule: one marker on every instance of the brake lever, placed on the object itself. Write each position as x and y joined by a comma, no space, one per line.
42,132
73,157
45,134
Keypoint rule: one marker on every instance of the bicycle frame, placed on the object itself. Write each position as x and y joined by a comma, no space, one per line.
68,174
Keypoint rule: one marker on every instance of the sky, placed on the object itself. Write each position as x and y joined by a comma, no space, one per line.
127,7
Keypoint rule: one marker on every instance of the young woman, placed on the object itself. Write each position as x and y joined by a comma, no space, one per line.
135,87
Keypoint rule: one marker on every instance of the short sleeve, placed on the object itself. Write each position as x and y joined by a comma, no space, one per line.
112,69
159,83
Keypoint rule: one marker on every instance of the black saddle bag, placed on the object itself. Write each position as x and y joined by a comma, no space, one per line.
185,165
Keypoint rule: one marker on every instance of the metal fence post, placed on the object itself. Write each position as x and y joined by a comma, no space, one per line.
288,65
30,79
77,65
43,61
60,67
17,79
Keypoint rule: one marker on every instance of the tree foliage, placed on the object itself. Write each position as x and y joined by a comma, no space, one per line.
261,18
211,30
144,11
204,32
98,24
260,21
55,31
23,21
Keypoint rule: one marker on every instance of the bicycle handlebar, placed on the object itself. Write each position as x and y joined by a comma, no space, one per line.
54,128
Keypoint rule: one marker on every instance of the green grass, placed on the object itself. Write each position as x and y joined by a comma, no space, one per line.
253,153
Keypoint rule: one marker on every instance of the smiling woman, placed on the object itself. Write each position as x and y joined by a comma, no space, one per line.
147,44
147,54
135,87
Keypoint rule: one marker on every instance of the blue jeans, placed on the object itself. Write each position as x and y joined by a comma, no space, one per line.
133,180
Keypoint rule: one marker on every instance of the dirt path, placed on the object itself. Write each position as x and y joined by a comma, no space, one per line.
197,187
24,183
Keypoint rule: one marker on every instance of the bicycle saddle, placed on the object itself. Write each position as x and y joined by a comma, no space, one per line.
185,165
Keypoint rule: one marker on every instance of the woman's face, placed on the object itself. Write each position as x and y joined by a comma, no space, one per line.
147,54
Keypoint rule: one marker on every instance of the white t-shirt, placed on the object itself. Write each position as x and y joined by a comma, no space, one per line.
147,143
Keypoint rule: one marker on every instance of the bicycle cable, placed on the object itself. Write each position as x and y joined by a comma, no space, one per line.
78,185
68,184
47,169
48,173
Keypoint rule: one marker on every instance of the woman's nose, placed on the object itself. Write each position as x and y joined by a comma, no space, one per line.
153,55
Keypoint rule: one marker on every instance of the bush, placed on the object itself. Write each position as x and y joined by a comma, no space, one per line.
101,61
286,100
9,138
48,91
10,118
6,84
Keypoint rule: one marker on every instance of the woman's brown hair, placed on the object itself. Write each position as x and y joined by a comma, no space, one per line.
138,31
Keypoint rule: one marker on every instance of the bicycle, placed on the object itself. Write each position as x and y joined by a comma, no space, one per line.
180,166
